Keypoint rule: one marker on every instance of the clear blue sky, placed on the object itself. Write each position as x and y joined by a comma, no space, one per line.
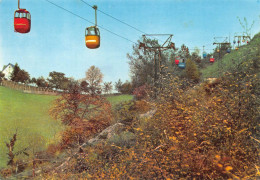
56,41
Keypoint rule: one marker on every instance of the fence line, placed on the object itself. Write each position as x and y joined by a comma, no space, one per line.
28,89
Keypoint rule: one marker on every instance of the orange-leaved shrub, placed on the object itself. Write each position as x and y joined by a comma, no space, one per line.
83,114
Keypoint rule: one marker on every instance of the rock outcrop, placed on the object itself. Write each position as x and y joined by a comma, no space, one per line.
107,133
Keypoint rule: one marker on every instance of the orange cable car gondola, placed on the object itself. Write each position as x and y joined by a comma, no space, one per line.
92,34
22,20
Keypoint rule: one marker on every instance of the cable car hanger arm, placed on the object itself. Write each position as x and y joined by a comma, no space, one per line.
95,7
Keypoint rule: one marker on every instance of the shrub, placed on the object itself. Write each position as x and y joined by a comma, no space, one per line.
53,149
142,106
83,114
141,92
124,139
6,172
192,71
125,112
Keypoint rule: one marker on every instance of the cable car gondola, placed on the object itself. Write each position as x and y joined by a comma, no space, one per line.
182,64
228,50
204,54
92,34
22,20
177,61
92,37
211,60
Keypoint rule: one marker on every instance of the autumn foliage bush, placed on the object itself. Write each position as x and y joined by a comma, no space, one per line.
195,134
127,112
83,115
142,106
141,92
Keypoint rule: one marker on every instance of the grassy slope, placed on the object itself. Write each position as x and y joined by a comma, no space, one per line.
117,99
229,61
29,114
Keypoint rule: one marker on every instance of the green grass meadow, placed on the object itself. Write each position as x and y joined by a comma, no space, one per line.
28,113
119,98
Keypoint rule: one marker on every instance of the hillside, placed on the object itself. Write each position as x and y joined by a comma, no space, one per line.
208,132
230,61
28,113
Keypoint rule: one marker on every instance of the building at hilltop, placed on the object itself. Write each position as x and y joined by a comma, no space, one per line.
8,70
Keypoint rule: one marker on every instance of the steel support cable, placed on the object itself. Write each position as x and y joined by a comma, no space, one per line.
114,18
124,22
118,19
90,22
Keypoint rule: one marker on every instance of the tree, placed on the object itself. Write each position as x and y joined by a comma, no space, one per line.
142,64
15,72
195,56
2,75
19,75
94,77
58,80
33,80
182,54
85,86
127,88
107,87
23,76
118,85
41,82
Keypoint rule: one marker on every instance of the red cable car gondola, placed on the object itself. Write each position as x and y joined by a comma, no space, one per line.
22,20
177,61
92,34
212,60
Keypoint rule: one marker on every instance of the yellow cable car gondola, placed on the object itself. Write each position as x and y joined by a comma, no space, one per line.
92,37
92,34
